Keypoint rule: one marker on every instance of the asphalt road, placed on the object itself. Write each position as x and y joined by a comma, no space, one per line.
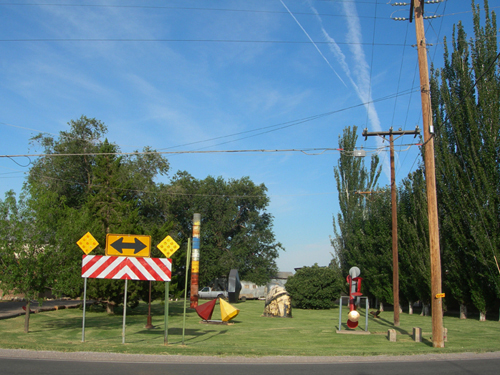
19,362
51,367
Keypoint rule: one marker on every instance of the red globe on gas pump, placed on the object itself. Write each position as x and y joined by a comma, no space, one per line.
354,291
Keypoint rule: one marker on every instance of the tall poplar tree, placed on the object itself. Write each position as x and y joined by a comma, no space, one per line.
413,239
357,239
465,101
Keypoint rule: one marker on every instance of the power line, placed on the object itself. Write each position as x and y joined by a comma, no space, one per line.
185,194
264,129
287,124
306,151
175,40
155,7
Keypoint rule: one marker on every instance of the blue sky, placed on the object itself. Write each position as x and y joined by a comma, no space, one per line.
229,75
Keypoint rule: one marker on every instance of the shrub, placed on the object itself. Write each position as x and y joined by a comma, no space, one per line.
315,287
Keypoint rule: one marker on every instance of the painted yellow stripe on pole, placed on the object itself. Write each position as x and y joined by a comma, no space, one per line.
195,266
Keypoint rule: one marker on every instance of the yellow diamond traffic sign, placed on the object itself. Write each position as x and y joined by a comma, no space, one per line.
87,243
168,246
128,245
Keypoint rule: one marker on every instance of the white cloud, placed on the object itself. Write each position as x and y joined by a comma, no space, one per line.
359,71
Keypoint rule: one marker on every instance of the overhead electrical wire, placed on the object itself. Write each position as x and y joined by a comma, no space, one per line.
264,129
188,194
284,125
156,7
306,151
176,40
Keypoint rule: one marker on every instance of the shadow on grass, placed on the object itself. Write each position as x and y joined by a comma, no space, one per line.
76,323
427,342
108,323
387,323
176,308
190,334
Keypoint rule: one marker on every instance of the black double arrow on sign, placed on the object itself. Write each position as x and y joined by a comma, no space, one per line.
128,245
119,245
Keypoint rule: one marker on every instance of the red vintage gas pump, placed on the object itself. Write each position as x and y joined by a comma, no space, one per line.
354,292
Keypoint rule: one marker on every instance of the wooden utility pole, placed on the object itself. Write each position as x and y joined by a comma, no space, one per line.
395,256
430,177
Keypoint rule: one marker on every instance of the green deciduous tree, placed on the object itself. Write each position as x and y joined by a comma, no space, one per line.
81,185
236,229
25,266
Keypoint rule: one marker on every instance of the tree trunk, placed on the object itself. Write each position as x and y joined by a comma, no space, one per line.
425,310
463,311
482,316
381,304
410,308
110,308
27,318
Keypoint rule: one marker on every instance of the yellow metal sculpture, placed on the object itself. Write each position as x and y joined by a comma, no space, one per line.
227,311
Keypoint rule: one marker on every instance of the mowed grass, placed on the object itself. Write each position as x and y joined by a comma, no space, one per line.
308,333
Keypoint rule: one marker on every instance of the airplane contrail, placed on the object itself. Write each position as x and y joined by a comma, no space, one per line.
314,44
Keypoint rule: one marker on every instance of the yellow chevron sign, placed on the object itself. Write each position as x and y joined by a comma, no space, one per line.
128,245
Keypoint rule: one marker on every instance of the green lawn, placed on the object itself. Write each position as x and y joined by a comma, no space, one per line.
308,333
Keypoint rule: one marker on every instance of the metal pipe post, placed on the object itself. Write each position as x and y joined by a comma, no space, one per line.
124,312
84,306
167,288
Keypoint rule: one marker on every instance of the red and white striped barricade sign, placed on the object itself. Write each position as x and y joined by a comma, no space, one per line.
126,268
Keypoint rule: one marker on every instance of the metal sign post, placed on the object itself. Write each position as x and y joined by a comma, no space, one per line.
84,306
87,243
167,289
124,311
132,262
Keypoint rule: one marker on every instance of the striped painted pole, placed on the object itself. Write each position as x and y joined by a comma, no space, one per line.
195,260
